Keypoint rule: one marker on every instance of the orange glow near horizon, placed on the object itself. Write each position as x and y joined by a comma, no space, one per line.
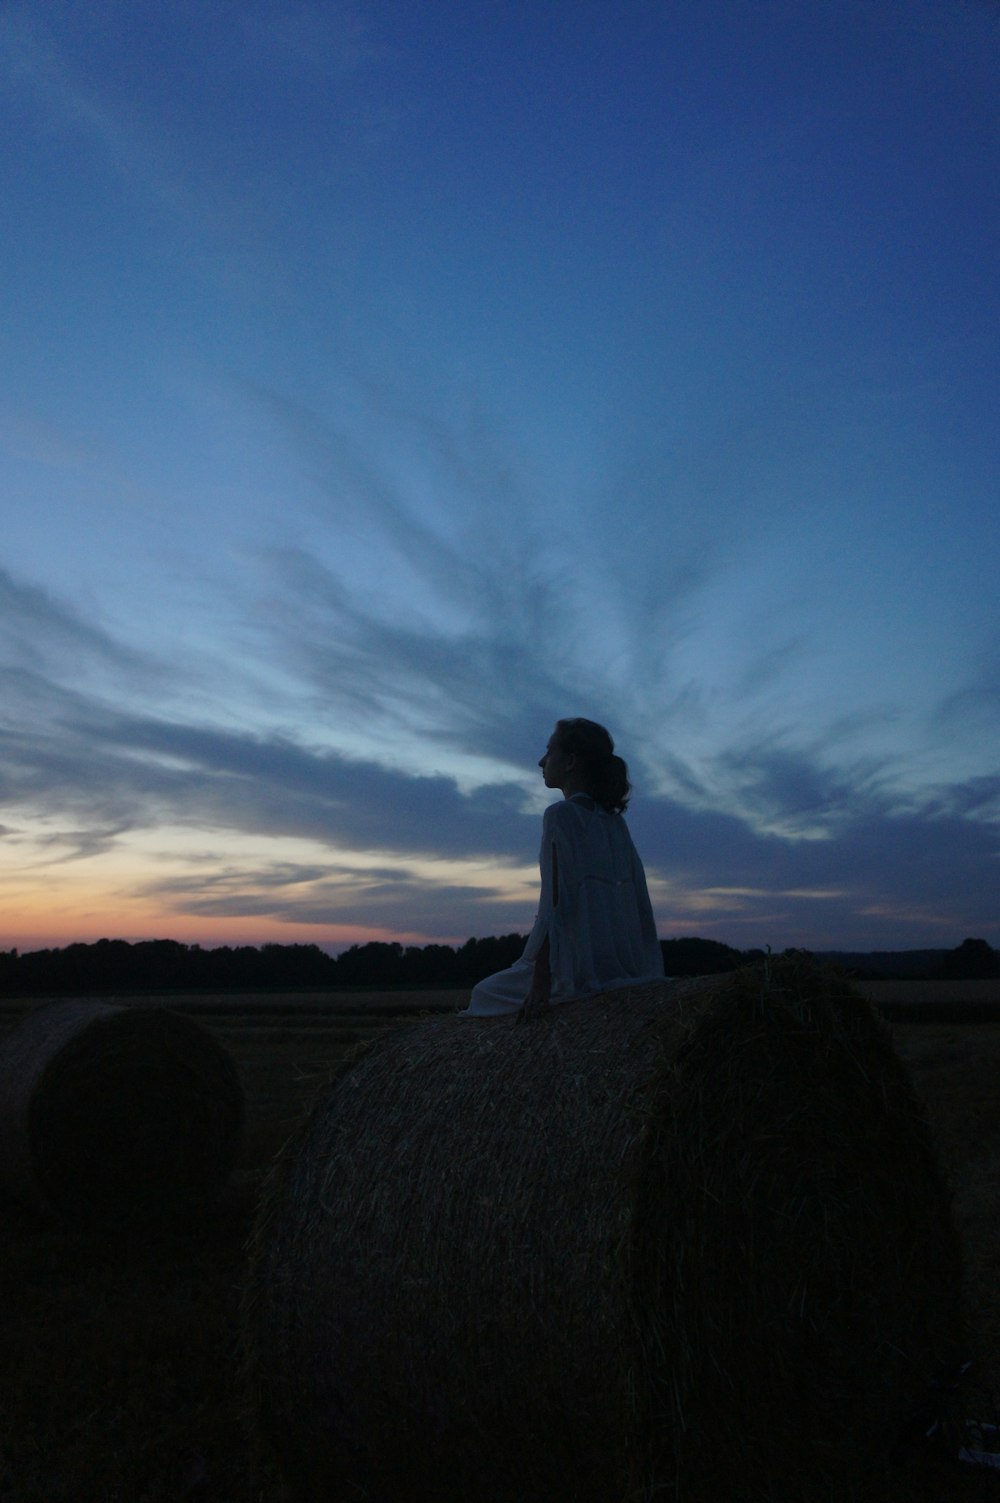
149,885
83,914
49,904
209,933
85,918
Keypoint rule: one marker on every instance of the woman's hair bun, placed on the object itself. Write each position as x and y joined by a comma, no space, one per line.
606,773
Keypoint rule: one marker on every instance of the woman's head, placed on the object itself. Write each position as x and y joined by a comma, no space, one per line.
588,752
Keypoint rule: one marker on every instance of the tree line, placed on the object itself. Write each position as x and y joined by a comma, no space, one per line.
116,966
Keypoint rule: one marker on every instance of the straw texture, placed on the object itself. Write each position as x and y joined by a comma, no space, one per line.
685,1241
115,1110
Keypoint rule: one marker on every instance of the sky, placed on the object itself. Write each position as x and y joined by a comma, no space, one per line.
380,383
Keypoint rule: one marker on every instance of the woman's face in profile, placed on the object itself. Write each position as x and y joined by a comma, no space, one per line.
555,764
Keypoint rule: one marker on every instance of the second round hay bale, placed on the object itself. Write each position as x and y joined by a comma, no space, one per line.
684,1242
107,1109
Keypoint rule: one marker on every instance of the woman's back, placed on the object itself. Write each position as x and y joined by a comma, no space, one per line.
595,909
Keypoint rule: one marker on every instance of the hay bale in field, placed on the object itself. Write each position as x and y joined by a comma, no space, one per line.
682,1241
115,1110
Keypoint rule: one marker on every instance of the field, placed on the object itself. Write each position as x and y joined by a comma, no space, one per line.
118,1353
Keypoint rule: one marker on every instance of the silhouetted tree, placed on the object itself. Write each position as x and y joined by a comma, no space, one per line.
972,960
377,963
699,957
482,957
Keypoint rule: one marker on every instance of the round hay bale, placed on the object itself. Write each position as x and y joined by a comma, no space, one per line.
682,1241
115,1110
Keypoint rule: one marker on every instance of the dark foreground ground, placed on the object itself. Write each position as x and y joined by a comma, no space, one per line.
118,1353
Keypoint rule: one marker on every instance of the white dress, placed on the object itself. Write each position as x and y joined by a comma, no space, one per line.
601,931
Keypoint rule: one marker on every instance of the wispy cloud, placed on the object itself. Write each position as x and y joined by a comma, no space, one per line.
44,72
976,701
408,608
317,43
39,632
399,898
177,174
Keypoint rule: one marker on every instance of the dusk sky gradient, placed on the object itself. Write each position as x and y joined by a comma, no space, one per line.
382,381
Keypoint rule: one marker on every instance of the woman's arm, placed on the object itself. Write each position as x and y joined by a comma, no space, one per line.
540,991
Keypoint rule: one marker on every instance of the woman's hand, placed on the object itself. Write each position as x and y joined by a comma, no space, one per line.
534,1004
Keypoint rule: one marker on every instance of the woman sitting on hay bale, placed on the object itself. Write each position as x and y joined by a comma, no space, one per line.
594,929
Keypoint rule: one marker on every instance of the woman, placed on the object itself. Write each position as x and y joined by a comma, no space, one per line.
594,929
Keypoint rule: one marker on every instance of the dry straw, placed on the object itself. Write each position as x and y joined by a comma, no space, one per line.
115,1110
686,1241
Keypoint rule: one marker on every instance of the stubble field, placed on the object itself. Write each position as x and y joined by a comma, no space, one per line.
119,1351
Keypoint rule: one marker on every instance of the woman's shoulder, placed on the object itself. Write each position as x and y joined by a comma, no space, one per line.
573,813
561,815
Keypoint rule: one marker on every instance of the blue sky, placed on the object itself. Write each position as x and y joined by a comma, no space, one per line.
381,382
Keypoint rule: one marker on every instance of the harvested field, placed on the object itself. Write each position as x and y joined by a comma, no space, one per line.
118,1353
935,1001
927,993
